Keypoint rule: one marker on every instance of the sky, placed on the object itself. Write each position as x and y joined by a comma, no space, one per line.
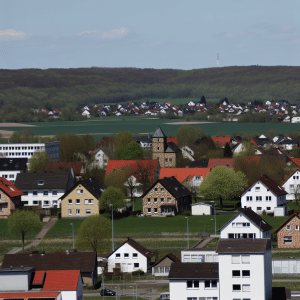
159,34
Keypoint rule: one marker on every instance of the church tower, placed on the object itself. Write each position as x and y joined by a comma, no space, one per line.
159,143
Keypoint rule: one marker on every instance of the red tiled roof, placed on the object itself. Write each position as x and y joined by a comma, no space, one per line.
150,165
64,167
174,140
295,161
9,188
38,277
31,295
215,162
61,280
182,173
222,140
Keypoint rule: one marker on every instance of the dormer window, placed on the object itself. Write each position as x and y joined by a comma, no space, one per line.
41,182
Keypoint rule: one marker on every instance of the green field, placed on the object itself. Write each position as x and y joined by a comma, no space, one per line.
105,126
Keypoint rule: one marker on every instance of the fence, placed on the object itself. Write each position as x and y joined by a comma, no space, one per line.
286,267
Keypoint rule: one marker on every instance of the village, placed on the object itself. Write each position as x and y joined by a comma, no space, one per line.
254,178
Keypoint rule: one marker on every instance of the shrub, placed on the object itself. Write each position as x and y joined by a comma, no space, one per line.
138,272
264,212
186,213
59,215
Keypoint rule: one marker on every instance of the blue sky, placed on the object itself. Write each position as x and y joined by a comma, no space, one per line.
148,34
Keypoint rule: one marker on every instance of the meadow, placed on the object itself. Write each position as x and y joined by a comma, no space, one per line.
106,126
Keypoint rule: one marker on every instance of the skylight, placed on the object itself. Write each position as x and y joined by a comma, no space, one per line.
41,182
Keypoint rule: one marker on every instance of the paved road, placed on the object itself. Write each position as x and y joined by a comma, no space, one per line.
38,238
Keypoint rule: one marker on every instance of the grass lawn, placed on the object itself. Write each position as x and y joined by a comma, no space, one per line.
294,286
286,254
63,229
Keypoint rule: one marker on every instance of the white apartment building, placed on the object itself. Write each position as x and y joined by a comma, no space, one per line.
11,167
27,150
264,194
292,185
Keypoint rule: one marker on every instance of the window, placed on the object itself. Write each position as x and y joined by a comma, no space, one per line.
258,198
169,200
246,287
70,212
162,200
287,240
77,201
35,202
149,210
126,255
245,259
249,198
118,255
235,259
236,273
268,198
88,201
136,265
45,193
296,227
155,210
246,273
291,186
41,182
155,200
87,212
11,176
34,193
210,284
258,208
257,188
162,190
288,228
25,193
77,212
236,287
190,284
70,202
149,200
268,207
54,193
80,192
134,255
155,190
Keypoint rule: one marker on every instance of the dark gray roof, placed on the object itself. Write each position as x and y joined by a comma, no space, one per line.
254,217
203,163
194,271
174,187
159,133
29,181
171,148
13,164
144,139
243,246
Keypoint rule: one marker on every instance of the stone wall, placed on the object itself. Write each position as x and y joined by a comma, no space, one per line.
295,234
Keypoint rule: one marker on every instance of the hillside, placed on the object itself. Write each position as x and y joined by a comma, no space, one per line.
55,88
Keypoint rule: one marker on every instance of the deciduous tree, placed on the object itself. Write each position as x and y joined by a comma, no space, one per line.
188,134
38,162
112,195
130,151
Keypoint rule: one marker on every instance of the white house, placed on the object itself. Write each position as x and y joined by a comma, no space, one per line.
264,194
130,257
27,150
43,189
292,185
163,266
246,224
100,159
11,167
202,208
194,281
245,269
199,255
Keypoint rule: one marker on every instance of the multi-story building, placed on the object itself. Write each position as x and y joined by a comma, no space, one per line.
11,167
27,150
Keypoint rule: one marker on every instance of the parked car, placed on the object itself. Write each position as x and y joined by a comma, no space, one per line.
165,296
107,292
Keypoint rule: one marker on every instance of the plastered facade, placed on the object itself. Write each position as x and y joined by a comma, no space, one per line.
6,208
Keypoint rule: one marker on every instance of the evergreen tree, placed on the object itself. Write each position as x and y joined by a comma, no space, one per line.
227,151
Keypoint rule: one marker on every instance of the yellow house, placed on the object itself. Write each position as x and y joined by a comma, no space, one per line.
82,200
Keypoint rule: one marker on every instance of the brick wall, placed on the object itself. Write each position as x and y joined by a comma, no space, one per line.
295,234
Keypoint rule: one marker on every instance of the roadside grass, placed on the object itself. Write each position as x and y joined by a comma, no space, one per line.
294,286
164,289
53,247
286,277
286,254
5,247
63,229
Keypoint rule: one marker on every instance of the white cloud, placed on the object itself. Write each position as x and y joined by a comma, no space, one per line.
105,35
12,34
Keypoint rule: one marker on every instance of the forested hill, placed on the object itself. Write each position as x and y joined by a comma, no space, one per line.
55,88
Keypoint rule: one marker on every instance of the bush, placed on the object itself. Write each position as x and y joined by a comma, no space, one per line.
138,272
41,217
169,216
59,215
264,212
186,213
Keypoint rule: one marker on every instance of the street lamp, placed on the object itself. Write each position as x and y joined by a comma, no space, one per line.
188,237
215,217
72,232
112,226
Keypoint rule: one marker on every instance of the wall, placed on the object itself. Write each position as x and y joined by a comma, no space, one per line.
199,255
15,281
295,234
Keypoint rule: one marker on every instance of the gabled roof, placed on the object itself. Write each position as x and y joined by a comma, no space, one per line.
203,163
295,215
28,181
13,164
171,256
270,184
9,188
290,176
65,167
158,133
215,162
92,185
172,185
295,160
136,165
61,280
222,140
228,246
83,261
144,251
171,148
183,173
194,271
173,140
253,217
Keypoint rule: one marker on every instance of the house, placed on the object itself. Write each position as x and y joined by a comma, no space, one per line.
100,159
136,173
10,198
82,200
265,194
10,167
27,150
216,162
26,283
44,189
187,152
292,185
202,208
162,267
165,152
86,262
144,141
192,176
166,196
194,281
130,257
221,140
77,168
245,268
288,234
246,224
